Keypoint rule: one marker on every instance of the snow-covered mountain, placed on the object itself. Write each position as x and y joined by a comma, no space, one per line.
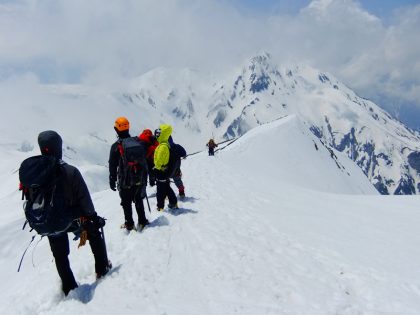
277,222
223,106
261,91
300,232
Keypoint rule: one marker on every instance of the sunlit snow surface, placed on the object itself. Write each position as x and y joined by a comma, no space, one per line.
270,225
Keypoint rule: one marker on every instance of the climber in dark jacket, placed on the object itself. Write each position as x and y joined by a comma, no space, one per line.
177,174
211,145
78,206
128,195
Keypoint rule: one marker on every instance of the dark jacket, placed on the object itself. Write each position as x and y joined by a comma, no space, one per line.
114,157
116,163
177,152
211,144
76,192
179,149
71,182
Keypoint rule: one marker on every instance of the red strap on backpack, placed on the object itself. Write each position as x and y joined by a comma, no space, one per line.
120,149
133,165
24,190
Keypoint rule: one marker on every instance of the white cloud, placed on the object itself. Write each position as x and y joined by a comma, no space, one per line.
103,39
121,36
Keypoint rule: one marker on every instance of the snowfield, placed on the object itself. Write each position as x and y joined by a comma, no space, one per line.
272,224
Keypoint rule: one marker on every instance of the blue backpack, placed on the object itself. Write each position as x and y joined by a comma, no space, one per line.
45,202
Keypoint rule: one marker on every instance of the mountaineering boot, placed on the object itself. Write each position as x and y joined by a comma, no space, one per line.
108,268
67,289
127,226
141,226
159,209
175,206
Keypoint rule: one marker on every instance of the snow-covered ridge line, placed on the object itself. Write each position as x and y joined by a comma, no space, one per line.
260,91
200,106
263,230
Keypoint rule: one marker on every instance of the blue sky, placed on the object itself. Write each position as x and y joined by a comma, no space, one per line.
384,8
377,7
380,8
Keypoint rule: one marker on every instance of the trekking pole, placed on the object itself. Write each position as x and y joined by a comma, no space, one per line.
148,205
103,236
103,239
21,260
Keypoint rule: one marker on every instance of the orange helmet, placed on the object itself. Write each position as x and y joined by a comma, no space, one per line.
121,124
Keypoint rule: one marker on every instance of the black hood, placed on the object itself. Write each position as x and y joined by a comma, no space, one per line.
50,143
122,134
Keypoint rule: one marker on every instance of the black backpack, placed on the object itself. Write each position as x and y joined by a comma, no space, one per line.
132,170
45,208
176,152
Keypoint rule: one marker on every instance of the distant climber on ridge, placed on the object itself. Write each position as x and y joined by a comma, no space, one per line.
211,145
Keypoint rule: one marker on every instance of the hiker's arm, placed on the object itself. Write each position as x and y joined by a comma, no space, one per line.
114,157
81,194
181,151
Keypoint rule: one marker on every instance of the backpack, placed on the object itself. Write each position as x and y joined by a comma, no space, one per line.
176,152
132,170
44,207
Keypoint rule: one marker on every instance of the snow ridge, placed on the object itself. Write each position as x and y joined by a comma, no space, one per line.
252,237
261,91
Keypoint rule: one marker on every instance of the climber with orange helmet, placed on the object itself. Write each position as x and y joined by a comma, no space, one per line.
128,173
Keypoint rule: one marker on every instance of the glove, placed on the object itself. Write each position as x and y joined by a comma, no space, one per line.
99,221
152,182
94,221
113,185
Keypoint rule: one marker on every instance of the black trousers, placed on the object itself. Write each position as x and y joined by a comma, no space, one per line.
134,194
178,180
163,190
60,248
211,151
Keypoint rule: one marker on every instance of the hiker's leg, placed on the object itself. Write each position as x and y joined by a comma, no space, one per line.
126,201
170,193
60,249
97,245
160,193
161,184
140,193
178,180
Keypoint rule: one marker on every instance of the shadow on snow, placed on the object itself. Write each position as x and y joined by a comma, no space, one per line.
159,221
188,199
85,292
180,211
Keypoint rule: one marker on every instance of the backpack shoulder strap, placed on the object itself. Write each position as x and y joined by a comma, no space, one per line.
120,147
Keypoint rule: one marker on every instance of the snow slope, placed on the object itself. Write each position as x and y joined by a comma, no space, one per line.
264,230
223,105
260,90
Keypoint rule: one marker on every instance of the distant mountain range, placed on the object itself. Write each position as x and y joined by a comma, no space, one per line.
261,91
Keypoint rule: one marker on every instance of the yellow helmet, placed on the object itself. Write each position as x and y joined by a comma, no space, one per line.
121,124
